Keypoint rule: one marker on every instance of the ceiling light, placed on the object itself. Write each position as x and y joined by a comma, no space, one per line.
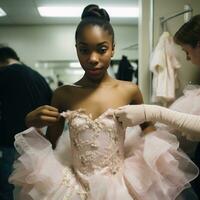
76,11
74,65
123,11
2,12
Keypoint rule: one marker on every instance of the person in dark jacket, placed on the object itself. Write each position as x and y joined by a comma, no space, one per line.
22,89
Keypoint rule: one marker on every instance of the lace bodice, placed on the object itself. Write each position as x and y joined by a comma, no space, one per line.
96,144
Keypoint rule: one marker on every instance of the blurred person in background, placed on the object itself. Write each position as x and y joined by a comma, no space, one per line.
21,90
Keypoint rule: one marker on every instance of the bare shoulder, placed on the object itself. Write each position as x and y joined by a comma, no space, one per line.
128,86
132,91
60,91
61,97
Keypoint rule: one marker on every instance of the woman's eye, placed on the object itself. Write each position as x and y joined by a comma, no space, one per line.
102,49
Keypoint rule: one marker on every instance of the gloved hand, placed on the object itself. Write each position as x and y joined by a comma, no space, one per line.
136,114
131,115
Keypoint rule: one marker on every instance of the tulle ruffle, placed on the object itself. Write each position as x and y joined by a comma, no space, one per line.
153,169
189,103
158,169
38,172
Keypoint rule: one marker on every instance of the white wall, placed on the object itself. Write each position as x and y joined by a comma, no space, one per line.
56,42
125,36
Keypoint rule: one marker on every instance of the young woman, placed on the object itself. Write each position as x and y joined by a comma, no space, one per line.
100,167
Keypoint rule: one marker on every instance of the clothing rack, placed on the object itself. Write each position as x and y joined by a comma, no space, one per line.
163,19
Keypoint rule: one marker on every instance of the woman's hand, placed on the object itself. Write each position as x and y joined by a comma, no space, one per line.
42,116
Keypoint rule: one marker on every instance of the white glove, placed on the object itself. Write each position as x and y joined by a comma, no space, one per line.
131,115
136,114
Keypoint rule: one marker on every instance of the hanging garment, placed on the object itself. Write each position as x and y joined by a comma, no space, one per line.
164,66
125,70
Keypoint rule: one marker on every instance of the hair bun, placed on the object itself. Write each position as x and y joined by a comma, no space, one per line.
93,11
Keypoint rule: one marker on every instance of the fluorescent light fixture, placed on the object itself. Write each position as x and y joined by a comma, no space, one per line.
123,11
74,65
60,11
2,12
76,11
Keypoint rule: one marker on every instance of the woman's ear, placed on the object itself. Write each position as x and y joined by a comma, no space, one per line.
198,44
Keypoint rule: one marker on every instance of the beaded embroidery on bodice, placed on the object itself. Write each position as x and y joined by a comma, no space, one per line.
96,144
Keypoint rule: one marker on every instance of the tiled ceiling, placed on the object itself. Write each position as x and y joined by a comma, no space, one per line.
24,12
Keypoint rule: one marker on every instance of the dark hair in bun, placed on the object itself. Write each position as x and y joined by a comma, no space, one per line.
93,15
95,12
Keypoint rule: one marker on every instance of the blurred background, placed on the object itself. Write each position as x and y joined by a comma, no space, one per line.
47,43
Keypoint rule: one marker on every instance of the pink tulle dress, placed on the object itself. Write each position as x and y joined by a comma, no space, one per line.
96,162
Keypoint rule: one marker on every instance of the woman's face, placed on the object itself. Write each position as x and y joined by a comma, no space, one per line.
192,53
94,49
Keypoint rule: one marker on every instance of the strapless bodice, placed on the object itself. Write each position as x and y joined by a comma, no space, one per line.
96,144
